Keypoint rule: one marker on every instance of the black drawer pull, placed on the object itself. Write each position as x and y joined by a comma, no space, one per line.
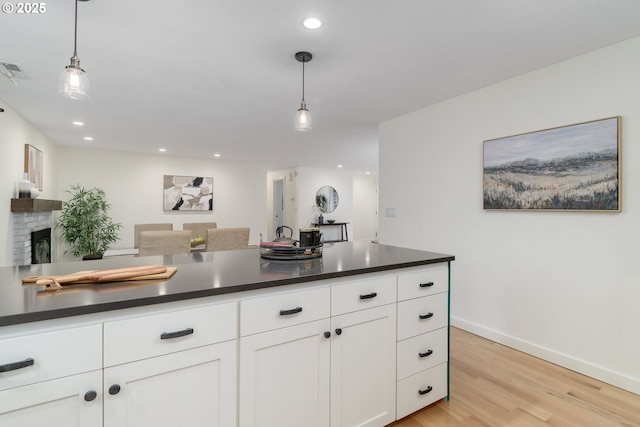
426,285
16,365
426,353
425,391
369,296
426,316
177,334
327,334
338,331
291,311
114,389
90,395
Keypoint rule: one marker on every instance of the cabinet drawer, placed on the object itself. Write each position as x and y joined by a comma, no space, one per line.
287,309
420,315
420,390
46,356
154,335
425,282
354,296
422,352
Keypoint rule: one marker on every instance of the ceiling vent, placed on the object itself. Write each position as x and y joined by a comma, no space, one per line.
13,72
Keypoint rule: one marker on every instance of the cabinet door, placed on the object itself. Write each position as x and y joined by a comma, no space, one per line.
284,377
73,401
194,387
363,368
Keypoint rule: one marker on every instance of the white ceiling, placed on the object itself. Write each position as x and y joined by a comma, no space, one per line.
219,76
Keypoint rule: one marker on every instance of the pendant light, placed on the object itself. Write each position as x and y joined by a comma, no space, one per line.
303,117
74,83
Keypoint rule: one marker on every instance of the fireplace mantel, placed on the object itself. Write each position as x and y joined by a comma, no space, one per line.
35,205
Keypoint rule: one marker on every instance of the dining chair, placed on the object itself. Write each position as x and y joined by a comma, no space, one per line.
138,228
224,239
165,242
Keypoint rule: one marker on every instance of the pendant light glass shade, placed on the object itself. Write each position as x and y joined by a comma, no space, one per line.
303,117
74,83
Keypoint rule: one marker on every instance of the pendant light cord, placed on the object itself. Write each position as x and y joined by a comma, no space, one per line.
303,82
75,33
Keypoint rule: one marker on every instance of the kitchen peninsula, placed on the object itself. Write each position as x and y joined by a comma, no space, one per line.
231,339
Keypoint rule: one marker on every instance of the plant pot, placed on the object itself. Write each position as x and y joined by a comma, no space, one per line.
91,257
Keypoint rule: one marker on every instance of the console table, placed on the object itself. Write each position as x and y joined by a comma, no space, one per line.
344,235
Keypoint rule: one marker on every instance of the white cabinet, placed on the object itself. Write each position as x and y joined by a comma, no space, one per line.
284,360
423,338
74,401
284,377
363,364
52,378
191,388
301,367
169,369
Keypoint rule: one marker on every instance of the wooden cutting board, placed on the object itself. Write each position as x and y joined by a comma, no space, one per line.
149,272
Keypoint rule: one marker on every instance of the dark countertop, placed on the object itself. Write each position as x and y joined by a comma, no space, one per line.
199,274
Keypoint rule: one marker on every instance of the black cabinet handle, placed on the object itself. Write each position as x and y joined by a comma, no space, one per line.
426,316
425,391
369,296
327,334
426,285
90,395
177,334
114,389
291,311
16,365
338,331
426,353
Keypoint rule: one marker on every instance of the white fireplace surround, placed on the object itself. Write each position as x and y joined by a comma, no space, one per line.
23,224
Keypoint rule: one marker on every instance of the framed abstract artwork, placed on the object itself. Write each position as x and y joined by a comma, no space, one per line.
568,168
188,193
33,165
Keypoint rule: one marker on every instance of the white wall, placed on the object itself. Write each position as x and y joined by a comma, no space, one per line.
365,207
15,132
133,183
564,286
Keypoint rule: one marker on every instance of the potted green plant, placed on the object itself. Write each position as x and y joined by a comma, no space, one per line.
85,224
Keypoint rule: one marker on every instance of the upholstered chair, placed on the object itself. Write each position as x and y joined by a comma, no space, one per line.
165,242
199,229
224,239
137,228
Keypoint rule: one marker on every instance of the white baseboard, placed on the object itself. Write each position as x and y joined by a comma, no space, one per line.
610,377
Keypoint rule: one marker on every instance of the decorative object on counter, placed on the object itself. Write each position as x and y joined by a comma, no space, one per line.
24,187
331,221
144,272
85,224
309,236
281,237
320,219
327,199
74,83
287,252
188,193
303,117
567,168
33,165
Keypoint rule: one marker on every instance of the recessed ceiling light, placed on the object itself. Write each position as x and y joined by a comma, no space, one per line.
312,23
88,138
339,166
162,150
76,123
217,155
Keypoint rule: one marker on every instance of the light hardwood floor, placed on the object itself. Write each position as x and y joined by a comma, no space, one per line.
496,386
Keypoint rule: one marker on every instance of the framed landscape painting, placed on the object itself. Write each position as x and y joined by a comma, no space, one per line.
188,193
568,168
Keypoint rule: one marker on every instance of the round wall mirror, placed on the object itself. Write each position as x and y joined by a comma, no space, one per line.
327,199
